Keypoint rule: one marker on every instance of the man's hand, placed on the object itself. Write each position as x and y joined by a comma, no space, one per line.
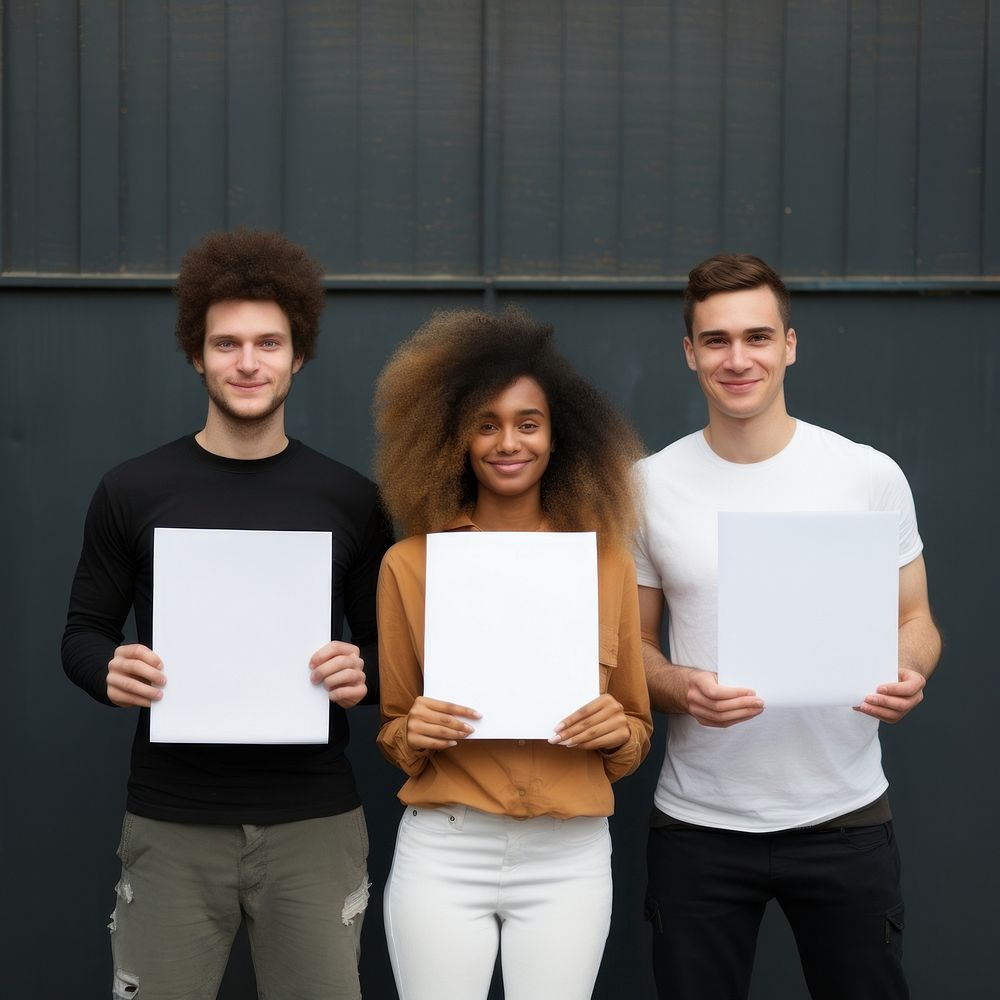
892,701
339,668
437,725
135,677
717,706
600,725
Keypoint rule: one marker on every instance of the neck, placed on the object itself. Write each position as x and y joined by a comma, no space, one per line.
754,439
493,513
243,439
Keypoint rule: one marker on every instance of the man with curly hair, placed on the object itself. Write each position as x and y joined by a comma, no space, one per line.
217,834
753,804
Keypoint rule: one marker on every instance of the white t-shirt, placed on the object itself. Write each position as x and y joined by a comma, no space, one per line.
787,767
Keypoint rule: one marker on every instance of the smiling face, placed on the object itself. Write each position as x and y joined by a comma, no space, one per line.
247,360
510,447
739,350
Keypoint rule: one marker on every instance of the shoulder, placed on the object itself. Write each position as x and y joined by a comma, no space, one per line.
332,470
663,462
409,553
615,564
862,456
136,471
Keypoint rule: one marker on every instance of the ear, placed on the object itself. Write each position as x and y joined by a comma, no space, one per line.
198,363
689,354
297,362
791,342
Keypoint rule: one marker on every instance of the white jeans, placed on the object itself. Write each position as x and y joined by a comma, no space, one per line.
464,882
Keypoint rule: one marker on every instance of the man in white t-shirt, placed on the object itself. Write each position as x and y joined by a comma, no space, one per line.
755,804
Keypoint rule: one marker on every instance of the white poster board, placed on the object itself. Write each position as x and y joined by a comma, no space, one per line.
808,605
236,617
511,627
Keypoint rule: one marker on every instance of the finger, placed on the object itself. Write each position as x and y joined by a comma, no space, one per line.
447,708
135,669
333,649
136,651
348,697
335,666
124,690
881,714
613,732
568,732
751,705
723,720
343,678
442,726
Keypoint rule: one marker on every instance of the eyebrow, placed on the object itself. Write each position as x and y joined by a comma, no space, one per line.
520,413
725,333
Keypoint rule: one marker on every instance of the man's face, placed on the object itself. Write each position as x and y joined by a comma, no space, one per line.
247,360
739,350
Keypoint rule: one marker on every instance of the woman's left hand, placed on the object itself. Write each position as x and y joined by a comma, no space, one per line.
600,725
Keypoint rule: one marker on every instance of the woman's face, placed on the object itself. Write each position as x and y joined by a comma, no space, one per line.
510,446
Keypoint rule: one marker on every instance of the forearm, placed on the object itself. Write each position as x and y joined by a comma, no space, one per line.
667,682
919,645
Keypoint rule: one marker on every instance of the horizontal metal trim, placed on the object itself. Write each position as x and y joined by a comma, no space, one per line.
525,282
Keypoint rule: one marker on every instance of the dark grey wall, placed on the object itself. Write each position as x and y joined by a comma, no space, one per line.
577,157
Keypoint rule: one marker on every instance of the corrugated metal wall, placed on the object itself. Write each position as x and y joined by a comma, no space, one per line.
577,157
836,138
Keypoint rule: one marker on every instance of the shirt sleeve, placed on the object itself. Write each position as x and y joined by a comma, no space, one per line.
627,683
401,673
646,572
100,598
891,492
359,596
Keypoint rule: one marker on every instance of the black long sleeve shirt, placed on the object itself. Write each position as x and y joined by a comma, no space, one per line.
180,485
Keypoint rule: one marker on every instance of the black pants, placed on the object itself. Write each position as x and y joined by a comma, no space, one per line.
839,890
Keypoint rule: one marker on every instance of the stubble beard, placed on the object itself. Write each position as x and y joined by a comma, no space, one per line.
238,423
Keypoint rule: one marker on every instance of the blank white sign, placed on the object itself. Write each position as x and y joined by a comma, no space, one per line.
808,605
236,617
511,627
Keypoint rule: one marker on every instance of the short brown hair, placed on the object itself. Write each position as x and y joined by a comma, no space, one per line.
733,272
426,401
249,264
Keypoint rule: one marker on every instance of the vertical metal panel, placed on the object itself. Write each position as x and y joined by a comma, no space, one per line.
448,114
255,147
100,54
644,184
387,140
949,206
754,100
882,142
144,129
697,97
531,137
321,139
20,122
815,137
57,177
197,117
591,131
990,263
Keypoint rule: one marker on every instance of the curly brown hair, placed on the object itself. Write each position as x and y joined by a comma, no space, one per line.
249,264
426,401
733,272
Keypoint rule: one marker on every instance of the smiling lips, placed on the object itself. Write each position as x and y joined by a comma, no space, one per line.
247,386
511,468
738,387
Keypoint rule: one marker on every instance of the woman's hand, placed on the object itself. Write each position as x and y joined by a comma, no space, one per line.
434,725
600,725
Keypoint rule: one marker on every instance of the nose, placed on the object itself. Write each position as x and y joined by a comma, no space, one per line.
738,360
508,442
248,358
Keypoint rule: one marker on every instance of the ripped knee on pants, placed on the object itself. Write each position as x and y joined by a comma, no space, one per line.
126,986
123,890
356,902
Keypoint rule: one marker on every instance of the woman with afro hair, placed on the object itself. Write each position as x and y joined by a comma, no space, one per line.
482,426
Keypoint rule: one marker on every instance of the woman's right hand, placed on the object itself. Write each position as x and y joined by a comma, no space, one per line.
434,725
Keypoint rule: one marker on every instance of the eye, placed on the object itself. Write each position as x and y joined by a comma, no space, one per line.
529,425
224,345
270,343
487,428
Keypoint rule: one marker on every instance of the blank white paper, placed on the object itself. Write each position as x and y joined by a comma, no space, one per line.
236,617
511,627
808,605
